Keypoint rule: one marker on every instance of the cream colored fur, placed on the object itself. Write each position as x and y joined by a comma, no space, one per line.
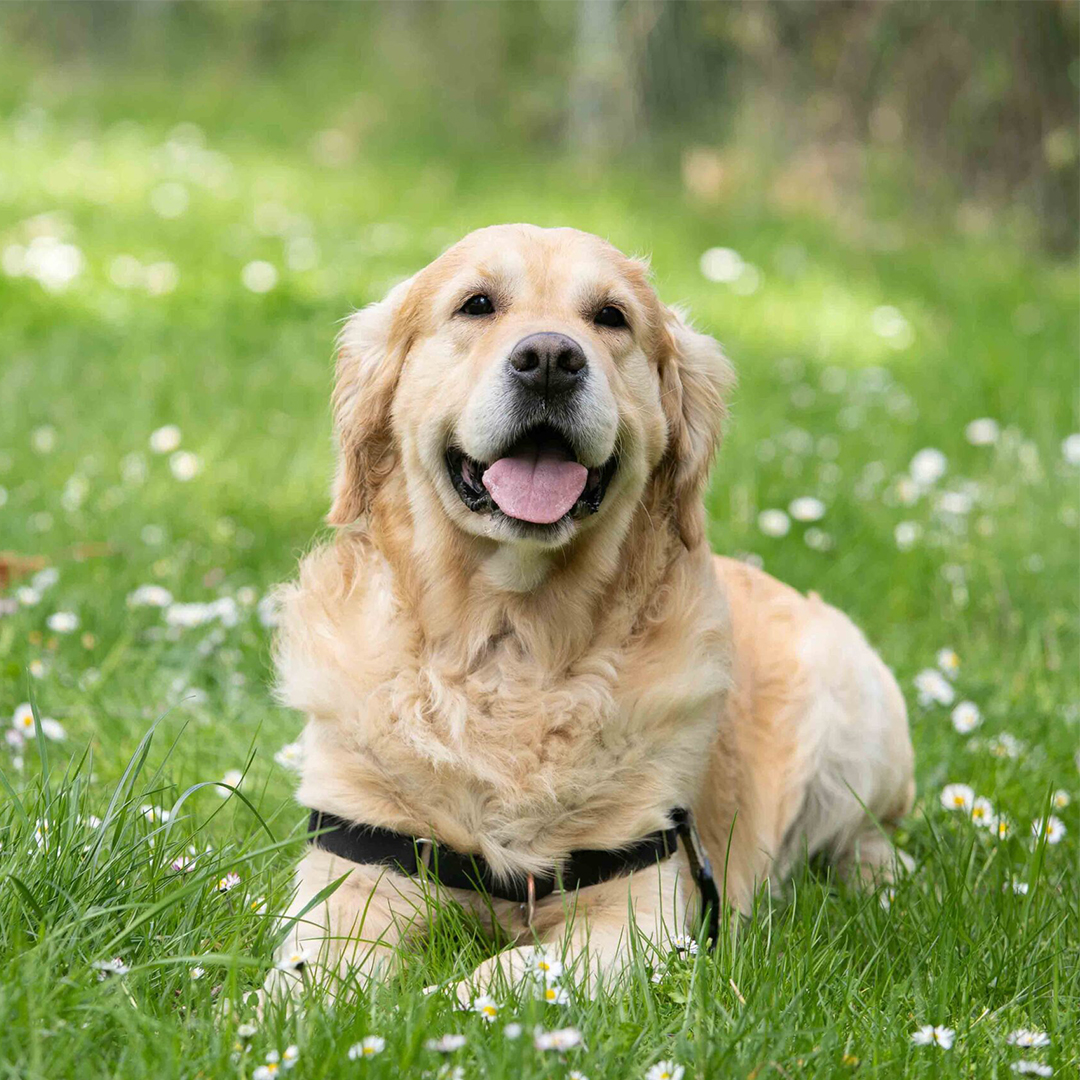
521,699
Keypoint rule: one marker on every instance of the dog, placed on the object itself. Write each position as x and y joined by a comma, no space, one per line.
519,645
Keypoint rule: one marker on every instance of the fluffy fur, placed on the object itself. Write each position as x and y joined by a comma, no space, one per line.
521,697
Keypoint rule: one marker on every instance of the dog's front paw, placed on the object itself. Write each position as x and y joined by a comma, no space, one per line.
505,972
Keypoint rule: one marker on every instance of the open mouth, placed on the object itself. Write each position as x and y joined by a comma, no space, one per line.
537,480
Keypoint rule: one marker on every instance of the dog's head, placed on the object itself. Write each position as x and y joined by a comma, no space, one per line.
529,385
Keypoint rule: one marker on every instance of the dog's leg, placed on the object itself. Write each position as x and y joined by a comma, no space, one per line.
591,935
348,938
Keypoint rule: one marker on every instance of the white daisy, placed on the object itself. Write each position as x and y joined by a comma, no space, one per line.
966,717
933,687
982,813
197,972
948,662
52,729
228,882
290,756
232,778
259,276
1053,827
165,439
445,1044
367,1047
807,508
185,465
107,968
1020,888
1070,448
685,945
982,432
150,596
62,622
512,1031
560,1039
1031,1068
1002,827
486,1007
545,965
957,797
293,961
1027,1038
247,1030
290,1056
553,994
774,523
928,467
1060,800
576,1074
665,1070
931,1035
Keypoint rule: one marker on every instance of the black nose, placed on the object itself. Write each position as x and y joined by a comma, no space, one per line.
548,363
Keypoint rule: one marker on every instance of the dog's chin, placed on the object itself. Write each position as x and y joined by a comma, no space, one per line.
479,512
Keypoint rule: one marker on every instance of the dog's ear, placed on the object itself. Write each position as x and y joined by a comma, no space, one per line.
695,379
371,349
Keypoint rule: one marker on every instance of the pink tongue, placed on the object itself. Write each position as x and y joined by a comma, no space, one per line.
537,485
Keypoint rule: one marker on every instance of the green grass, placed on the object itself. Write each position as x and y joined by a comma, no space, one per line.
825,407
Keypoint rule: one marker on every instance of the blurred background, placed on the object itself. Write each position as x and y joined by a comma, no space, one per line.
873,205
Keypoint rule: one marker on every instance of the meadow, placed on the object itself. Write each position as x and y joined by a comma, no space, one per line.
173,271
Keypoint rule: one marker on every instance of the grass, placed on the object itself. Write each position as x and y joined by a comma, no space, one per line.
821,981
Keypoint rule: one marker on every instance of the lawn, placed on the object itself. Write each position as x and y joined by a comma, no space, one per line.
173,274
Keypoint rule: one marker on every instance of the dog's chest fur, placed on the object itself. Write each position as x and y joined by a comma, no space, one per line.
507,751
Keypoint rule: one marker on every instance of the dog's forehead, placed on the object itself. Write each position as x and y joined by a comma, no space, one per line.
528,258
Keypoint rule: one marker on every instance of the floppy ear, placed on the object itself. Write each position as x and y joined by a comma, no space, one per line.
695,378
370,353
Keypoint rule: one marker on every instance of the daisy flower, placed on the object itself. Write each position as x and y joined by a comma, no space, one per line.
150,596
197,972
367,1047
289,1056
1020,888
685,945
576,1074
22,722
982,432
948,662
982,813
184,465
807,508
1060,800
445,1044
1027,1038
553,994
232,778
182,864
1002,828
957,797
154,814
928,467
293,961
486,1007
1053,828
966,717
1031,1068
165,439
560,1039
774,523
247,1030
931,1035
62,622
665,1070
542,963
107,968
933,688
228,882
512,1031
290,755
450,1072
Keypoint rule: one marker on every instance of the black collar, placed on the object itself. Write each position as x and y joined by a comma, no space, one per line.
371,845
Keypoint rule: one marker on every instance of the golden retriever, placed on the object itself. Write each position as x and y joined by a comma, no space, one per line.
519,642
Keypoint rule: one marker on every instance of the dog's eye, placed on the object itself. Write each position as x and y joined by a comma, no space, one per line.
610,316
478,305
